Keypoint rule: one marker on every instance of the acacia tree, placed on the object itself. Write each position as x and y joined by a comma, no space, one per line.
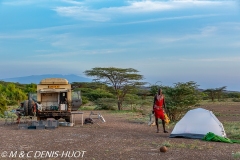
215,93
211,93
220,92
123,80
181,98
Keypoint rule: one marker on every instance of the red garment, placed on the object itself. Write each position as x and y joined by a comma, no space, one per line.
158,107
34,108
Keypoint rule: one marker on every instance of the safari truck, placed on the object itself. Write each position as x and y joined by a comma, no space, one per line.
54,99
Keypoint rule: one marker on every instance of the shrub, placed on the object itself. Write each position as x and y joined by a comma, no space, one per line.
84,100
236,99
98,93
3,104
180,99
105,104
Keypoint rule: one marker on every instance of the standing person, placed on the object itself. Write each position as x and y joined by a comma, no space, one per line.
19,112
34,109
158,109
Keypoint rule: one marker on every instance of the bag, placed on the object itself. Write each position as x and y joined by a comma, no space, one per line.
166,119
88,120
151,120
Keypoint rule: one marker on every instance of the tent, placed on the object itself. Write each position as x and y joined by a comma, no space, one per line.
197,123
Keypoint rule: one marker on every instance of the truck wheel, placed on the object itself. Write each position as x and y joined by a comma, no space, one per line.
69,119
30,105
25,106
57,118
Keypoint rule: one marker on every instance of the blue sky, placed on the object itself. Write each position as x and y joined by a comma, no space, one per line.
166,40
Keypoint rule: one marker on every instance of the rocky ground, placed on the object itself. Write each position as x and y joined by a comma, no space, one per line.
121,137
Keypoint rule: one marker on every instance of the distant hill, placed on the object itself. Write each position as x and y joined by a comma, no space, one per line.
37,78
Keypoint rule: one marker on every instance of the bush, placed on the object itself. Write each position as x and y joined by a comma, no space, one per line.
12,102
84,100
236,99
3,104
105,104
180,99
1,115
98,93
233,95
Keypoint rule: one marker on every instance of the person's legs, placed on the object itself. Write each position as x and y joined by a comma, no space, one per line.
156,121
164,130
18,116
18,120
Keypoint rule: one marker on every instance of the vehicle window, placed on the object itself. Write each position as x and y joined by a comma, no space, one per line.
76,95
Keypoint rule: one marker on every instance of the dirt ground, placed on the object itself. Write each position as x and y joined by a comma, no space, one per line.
119,138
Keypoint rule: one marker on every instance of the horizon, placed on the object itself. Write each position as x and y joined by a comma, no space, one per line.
148,84
167,41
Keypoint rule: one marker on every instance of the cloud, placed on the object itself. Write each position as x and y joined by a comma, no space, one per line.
37,33
82,11
173,18
203,33
43,54
143,6
27,2
153,6
225,32
14,36
208,30
73,2
19,3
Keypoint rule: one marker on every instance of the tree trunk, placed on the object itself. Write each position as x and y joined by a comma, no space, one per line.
212,96
119,105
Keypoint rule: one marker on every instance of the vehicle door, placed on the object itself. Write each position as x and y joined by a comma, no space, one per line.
76,100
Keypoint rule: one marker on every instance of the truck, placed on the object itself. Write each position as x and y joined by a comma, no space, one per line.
54,98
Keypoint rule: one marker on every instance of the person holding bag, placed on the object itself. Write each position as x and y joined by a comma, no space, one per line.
158,109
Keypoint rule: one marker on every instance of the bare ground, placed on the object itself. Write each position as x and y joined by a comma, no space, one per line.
118,138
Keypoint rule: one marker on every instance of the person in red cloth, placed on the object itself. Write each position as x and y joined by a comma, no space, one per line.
19,112
158,109
34,109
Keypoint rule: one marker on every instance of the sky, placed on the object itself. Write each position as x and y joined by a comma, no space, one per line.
167,41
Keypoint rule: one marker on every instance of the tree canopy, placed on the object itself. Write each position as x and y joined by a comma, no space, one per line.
123,80
10,94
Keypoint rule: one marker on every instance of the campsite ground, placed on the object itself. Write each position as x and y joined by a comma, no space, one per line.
124,136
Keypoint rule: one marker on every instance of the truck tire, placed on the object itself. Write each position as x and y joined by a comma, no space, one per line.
30,104
57,118
25,106
69,119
